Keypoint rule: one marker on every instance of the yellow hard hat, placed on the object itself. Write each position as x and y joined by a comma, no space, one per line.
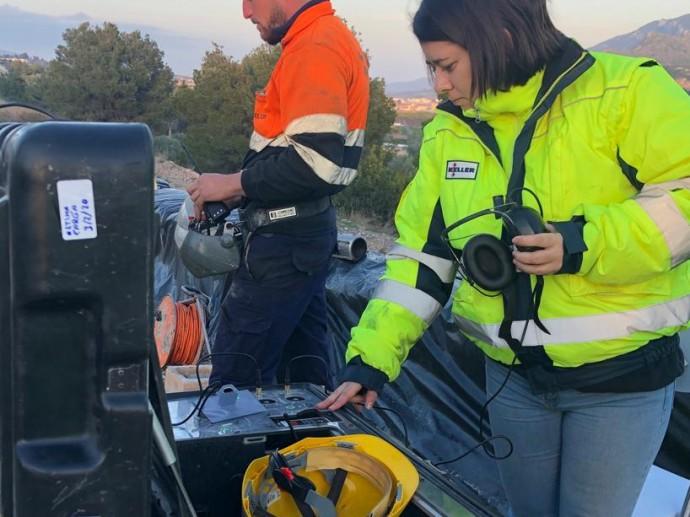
340,476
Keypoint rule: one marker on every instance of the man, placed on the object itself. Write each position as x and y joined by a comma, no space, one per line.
308,136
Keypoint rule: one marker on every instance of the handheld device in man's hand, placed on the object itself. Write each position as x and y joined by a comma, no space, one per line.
215,211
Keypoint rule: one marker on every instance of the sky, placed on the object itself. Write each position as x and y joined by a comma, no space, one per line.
384,24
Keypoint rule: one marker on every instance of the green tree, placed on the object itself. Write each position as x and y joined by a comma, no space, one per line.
378,186
259,64
13,86
102,74
381,113
217,114
19,83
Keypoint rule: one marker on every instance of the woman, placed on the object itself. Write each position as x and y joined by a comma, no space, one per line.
588,328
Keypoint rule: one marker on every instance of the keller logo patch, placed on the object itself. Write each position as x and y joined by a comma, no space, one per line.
457,170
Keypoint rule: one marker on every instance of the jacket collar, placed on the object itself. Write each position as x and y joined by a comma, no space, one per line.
559,73
519,100
302,19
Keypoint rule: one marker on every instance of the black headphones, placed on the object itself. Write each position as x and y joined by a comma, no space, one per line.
486,261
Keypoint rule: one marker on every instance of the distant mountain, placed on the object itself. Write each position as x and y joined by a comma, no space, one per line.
39,35
675,28
407,89
35,34
667,41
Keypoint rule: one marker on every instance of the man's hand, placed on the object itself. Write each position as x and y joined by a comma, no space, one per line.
546,261
348,392
215,187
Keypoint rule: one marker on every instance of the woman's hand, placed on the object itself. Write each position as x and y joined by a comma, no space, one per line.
545,261
348,392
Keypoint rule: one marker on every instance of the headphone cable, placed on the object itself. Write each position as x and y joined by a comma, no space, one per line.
400,418
484,412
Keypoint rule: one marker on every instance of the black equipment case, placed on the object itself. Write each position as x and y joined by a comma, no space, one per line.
76,226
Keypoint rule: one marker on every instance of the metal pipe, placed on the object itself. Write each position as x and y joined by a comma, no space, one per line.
350,247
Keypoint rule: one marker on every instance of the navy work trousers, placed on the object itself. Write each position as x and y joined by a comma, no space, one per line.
275,310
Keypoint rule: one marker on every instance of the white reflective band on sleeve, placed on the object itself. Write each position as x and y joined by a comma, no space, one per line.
418,302
444,269
258,142
321,123
355,138
323,167
585,329
656,200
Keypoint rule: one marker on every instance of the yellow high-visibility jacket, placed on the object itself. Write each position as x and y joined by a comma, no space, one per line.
606,146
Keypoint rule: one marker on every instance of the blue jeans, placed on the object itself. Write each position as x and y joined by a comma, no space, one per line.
576,454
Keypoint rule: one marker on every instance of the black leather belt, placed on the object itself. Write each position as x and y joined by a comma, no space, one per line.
255,218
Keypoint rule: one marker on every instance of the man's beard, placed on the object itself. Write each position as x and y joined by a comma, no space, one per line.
276,21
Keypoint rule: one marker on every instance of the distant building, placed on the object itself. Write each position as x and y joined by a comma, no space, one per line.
398,149
184,81
415,104
13,59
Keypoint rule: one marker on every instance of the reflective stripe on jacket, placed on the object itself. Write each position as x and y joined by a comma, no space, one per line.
609,159
309,121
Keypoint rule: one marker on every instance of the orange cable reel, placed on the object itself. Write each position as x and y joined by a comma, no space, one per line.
178,332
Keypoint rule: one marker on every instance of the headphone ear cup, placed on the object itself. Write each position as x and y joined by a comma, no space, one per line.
524,220
488,262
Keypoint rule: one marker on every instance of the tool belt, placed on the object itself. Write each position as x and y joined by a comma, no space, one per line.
253,218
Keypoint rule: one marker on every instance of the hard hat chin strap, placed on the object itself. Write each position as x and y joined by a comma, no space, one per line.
300,488
335,463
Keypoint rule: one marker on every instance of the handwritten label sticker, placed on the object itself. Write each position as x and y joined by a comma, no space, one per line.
77,209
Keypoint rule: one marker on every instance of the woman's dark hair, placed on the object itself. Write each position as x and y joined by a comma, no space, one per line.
508,41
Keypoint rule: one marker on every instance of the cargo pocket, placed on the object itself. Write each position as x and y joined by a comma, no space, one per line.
269,257
310,256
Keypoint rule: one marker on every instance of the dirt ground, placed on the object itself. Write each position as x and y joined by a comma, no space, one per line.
177,176
379,239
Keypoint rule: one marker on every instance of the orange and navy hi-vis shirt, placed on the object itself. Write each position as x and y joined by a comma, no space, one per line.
309,122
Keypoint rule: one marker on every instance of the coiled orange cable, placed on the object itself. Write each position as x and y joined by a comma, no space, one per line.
178,332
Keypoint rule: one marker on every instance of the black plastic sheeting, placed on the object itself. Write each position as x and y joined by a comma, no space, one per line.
170,274
440,392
